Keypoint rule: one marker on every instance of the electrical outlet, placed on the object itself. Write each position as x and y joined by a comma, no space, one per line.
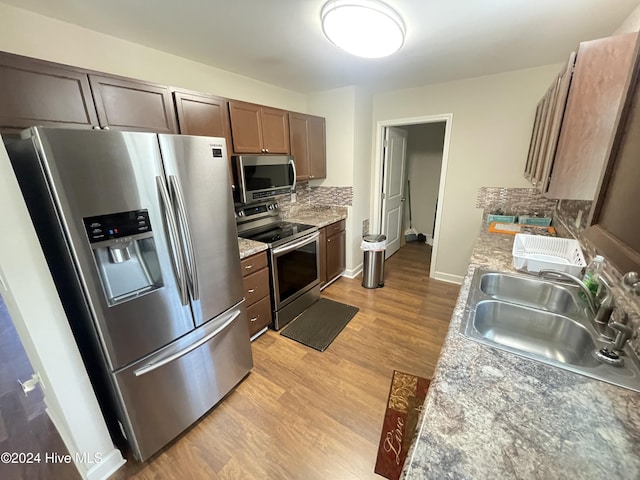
578,220
294,197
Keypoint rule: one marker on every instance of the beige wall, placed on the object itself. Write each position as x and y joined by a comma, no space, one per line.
348,114
362,155
34,35
631,24
492,119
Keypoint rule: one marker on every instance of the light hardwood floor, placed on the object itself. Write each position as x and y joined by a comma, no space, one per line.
302,414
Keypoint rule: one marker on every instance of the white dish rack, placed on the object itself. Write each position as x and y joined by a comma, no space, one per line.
532,253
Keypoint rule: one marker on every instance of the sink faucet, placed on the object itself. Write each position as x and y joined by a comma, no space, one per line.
605,299
591,299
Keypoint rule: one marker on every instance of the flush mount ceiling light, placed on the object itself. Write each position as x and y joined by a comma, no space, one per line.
366,28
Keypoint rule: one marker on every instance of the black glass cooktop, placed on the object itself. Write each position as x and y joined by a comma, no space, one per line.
279,233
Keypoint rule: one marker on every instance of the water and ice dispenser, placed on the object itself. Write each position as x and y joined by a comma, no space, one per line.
125,253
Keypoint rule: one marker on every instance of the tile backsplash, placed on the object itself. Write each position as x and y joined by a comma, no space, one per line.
571,217
317,196
515,201
571,220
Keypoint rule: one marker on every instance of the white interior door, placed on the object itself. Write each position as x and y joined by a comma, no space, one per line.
393,187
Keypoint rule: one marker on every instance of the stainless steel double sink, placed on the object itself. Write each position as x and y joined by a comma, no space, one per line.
543,320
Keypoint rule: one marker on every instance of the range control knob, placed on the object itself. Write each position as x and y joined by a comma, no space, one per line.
241,213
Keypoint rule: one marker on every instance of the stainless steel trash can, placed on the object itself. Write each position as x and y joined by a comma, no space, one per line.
373,264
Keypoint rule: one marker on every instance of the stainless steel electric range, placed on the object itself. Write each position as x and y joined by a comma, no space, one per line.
294,258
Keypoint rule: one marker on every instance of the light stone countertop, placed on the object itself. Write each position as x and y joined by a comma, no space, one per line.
320,216
491,414
250,247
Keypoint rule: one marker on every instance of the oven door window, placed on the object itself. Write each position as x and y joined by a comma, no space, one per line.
296,270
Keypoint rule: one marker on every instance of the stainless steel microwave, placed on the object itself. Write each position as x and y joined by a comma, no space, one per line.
262,176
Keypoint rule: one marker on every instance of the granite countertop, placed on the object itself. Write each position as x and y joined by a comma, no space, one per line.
492,414
318,216
250,247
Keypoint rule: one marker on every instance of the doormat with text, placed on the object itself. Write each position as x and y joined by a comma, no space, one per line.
406,397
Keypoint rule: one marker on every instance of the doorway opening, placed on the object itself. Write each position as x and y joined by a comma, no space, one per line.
411,151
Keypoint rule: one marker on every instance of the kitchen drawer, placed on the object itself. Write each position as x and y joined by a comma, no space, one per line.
259,315
254,263
335,228
256,286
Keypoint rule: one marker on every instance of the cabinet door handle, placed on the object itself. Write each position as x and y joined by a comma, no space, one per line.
254,318
248,267
251,290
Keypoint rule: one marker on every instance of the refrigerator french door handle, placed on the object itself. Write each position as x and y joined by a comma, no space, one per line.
170,358
176,257
192,268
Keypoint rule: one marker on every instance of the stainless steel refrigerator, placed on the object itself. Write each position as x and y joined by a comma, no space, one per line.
140,236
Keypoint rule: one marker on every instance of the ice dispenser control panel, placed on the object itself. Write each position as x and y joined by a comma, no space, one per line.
125,253
117,225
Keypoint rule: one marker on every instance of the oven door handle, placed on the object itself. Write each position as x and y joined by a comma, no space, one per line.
293,246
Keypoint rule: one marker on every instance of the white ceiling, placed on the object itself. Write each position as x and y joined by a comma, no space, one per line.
281,42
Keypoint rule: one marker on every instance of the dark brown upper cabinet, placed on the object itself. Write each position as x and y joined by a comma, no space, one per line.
201,114
34,92
205,115
546,128
307,137
615,230
598,88
258,129
134,105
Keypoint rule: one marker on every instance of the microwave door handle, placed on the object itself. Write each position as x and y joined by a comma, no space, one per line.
189,348
292,246
176,257
243,183
293,170
192,268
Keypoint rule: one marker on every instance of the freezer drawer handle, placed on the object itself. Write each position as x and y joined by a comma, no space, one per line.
176,257
170,358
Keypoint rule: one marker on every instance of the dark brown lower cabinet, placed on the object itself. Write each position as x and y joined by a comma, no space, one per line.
332,251
256,292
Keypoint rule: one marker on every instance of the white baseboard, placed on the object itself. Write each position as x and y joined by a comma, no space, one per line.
108,465
353,272
447,277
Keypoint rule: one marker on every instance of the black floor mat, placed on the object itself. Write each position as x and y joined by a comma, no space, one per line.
320,324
